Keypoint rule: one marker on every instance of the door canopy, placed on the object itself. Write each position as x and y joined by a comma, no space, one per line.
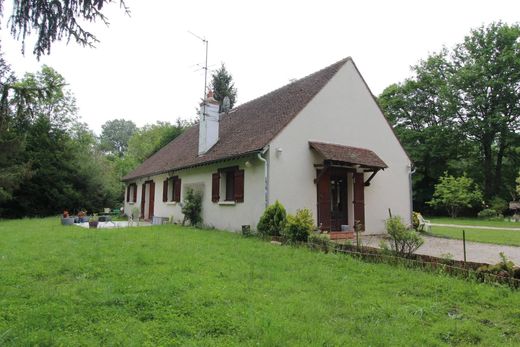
349,156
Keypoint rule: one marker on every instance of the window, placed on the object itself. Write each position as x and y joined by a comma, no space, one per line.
172,189
232,184
131,192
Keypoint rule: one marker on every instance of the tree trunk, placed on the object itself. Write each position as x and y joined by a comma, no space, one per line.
500,158
486,143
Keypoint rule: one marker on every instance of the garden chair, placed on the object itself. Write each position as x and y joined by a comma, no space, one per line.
424,224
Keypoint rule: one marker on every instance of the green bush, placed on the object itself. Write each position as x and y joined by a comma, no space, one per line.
273,220
498,204
192,207
487,213
505,268
403,241
415,221
320,242
299,227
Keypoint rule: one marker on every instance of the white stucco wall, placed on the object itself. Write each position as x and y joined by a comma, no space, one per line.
343,112
221,216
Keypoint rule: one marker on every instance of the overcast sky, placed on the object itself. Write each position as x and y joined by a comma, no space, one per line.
144,68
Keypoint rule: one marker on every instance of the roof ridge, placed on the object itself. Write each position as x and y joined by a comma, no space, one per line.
342,61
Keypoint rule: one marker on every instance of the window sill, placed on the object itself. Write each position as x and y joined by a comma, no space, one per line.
171,203
131,203
227,203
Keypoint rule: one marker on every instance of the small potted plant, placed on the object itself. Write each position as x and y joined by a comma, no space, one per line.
66,219
82,217
93,221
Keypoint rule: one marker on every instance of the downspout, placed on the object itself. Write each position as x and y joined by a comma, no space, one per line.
410,173
266,173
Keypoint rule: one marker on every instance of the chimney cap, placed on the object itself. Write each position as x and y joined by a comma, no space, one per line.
210,99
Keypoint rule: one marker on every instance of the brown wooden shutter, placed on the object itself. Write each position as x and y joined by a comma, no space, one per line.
135,192
165,190
323,191
239,185
177,190
128,193
359,199
215,187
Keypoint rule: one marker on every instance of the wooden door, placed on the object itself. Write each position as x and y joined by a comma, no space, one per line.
323,199
359,199
338,201
143,199
151,199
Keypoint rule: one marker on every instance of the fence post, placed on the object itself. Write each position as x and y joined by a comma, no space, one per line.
464,244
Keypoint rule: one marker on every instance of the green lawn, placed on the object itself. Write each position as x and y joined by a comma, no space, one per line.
474,221
168,285
500,237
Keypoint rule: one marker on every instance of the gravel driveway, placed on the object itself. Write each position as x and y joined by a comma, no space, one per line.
475,251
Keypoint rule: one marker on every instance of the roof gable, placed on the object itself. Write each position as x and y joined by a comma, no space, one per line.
245,129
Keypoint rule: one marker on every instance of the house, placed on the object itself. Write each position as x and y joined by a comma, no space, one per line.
320,142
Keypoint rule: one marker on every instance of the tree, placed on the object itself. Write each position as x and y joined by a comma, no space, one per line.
65,169
54,20
518,184
149,139
13,170
461,111
222,85
455,193
115,135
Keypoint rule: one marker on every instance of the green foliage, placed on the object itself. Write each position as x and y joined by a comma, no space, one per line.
403,241
320,242
57,165
505,268
52,21
211,288
115,135
487,213
518,184
273,220
499,205
192,207
298,227
459,112
415,221
222,85
455,193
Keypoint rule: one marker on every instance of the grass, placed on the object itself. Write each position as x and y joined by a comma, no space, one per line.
475,222
167,285
499,237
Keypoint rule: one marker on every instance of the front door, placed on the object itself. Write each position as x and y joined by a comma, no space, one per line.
332,199
147,200
338,202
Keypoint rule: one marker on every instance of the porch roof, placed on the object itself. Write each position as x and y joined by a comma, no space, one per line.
348,155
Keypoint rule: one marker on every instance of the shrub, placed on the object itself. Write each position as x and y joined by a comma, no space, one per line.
273,220
403,241
299,227
415,221
192,207
487,213
455,193
505,268
320,242
498,204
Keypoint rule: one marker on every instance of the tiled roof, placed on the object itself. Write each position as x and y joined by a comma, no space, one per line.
346,154
246,129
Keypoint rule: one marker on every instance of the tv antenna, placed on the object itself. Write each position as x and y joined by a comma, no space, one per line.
205,68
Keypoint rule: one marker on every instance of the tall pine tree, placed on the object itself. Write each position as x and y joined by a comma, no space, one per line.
222,85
